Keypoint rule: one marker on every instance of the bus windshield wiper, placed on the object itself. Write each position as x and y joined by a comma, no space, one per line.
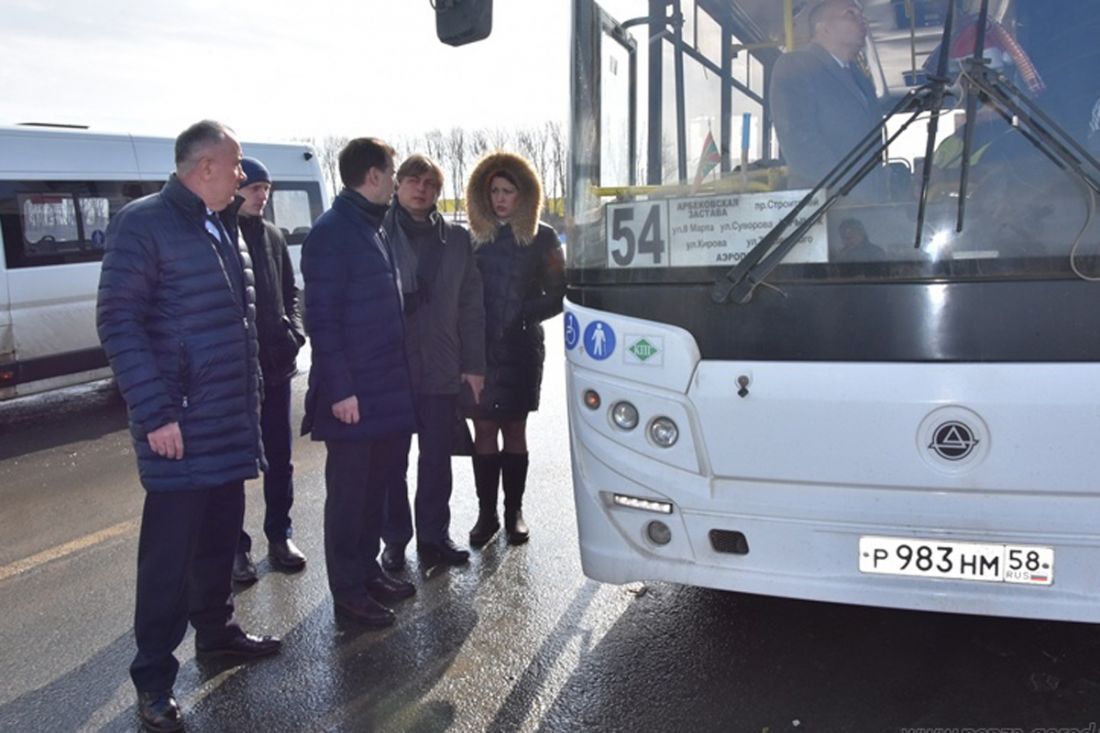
739,283
742,280
1022,115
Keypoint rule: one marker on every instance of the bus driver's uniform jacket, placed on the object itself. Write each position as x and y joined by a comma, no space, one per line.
180,333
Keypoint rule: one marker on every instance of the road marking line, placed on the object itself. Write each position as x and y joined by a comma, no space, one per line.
54,553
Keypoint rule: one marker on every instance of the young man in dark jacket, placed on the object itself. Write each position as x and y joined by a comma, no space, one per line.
279,330
445,343
359,401
177,320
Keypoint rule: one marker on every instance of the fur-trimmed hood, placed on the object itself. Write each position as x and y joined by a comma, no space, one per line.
525,220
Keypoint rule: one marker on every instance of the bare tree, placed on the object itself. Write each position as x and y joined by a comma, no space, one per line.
435,146
328,150
479,143
406,145
532,144
456,153
500,138
558,160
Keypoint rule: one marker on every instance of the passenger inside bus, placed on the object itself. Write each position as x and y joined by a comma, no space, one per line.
855,245
822,102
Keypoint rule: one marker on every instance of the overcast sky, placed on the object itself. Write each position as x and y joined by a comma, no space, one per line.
278,69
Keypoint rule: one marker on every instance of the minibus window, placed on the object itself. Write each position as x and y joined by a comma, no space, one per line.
294,206
49,224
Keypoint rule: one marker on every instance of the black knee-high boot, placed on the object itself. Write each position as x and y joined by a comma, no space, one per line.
486,480
514,478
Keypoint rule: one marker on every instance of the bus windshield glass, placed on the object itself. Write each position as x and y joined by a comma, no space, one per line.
700,124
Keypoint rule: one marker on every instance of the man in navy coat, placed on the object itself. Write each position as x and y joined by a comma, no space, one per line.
177,319
821,102
360,398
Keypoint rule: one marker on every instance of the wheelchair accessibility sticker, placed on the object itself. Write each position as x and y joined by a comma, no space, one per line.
572,331
599,340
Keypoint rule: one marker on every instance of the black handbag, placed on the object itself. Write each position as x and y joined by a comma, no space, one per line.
462,442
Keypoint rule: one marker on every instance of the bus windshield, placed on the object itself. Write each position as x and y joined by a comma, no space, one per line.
700,124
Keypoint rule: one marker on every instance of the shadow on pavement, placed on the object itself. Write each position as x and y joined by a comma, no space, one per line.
68,702
50,420
876,670
331,675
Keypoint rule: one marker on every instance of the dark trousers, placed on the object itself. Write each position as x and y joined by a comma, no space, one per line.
278,478
435,415
185,560
356,474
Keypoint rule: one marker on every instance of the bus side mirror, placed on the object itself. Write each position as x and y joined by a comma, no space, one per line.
458,22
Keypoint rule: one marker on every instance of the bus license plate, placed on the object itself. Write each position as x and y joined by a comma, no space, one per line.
1027,564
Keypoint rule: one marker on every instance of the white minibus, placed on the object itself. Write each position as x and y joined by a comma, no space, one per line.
58,190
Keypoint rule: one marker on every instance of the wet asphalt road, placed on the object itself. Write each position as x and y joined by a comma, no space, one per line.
517,640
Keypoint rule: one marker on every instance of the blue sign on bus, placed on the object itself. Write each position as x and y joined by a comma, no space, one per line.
599,340
572,331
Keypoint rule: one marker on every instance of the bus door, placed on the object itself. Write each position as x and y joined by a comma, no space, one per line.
605,90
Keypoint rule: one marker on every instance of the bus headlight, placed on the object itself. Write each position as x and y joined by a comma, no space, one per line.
664,432
624,415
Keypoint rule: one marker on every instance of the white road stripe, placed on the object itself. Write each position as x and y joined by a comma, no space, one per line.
55,553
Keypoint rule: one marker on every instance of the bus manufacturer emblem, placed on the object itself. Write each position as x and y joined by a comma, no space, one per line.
953,441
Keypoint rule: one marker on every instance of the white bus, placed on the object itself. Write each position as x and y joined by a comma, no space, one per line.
58,190
858,403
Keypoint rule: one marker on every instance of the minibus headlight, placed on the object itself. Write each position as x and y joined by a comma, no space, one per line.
624,415
663,432
591,399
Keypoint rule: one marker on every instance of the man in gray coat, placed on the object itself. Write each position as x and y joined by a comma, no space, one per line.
445,344
822,103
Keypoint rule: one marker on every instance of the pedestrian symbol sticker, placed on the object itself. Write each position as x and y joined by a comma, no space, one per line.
599,340
572,331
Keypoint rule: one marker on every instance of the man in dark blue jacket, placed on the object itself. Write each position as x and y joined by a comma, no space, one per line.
359,401
279,331
176,317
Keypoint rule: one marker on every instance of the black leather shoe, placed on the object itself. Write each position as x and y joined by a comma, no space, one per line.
285,555
393,559
486,526
244,570
246,646
389,590
366,611
515,527
159,711
443,553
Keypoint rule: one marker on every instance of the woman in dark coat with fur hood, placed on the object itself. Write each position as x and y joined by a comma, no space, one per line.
522,268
